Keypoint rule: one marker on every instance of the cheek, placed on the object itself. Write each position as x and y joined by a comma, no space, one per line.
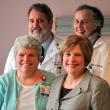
82,62
44,28
64,61
90,28
36,61
17,62
30,26
17,59
74,27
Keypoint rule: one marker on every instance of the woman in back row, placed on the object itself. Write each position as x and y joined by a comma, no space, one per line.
89,22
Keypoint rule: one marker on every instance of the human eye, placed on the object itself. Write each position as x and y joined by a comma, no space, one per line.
86,22
66,54
78,54
76,21
20,55
41,20
31,20
32,55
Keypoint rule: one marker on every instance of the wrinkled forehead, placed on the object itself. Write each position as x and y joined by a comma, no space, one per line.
36,14
85,14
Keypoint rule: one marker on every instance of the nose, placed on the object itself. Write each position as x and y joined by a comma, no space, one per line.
36,23
26,58
72,58
80,24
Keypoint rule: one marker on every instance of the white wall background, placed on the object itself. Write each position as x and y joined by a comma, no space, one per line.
13,18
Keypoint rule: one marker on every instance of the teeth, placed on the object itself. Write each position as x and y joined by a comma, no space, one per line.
73,64
26,64
80,31
36,29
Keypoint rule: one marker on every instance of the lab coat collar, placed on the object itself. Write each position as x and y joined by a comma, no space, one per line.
51,51
47,43
98,43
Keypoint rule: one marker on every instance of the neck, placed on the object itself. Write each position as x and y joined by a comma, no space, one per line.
29,80
71,81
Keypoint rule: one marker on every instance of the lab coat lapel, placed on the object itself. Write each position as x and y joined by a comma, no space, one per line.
98,43
51,52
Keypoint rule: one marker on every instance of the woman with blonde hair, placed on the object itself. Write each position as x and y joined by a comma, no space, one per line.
78,89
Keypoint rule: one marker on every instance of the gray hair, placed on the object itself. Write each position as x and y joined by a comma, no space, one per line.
97,15
27,41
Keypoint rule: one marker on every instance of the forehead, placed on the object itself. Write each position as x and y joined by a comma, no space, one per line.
75,48
25,49
36,14
83,14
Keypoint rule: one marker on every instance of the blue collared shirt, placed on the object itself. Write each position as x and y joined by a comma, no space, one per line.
47,44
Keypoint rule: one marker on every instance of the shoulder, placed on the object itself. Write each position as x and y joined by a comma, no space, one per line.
98,82
93,82
103,41
48,75
8,77
58,41
58,38
102,45
59,78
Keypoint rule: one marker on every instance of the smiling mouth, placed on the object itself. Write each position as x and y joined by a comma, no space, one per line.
27,64
81,32
72,64
37,30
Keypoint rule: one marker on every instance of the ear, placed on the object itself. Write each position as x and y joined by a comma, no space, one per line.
51,23
98,29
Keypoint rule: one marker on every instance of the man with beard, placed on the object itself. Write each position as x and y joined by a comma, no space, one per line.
40,20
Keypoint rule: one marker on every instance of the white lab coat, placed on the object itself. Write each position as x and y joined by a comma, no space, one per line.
100,63
51,62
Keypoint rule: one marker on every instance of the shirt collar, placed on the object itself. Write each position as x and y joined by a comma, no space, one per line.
47,43
92,38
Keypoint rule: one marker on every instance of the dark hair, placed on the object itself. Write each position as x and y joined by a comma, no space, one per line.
84,43
96,13
42,8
